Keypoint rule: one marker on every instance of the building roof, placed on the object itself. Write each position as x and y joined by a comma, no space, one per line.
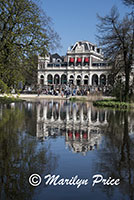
56,56
83,46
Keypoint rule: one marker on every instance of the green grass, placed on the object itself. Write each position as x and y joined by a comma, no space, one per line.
73,99
6,99
112,104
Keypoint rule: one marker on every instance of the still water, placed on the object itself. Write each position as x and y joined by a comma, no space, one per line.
71,141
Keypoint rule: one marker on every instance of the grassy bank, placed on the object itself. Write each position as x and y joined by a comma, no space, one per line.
113,104
90,98
11,99
73,99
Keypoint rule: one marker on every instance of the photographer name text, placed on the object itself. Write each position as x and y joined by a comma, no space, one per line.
57,180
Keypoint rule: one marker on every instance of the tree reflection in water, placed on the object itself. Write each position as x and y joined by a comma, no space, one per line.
20,155
116,158
107,134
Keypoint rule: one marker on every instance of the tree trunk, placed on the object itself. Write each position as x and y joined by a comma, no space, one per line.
127,76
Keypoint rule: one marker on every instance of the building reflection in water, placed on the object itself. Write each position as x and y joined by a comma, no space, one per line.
81,124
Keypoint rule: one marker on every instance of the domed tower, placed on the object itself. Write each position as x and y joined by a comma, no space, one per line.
84,53
81,57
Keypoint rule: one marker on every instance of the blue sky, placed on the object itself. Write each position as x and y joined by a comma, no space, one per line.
76,20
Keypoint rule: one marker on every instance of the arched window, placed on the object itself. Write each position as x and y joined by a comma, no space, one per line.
63,79
101,116
56,79
71,77
78,77
95,80
42,80
78,80
63,114
85,80
50,79
93,115
71,80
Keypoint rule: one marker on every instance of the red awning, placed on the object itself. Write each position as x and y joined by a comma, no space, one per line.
77,135
71,59
86,59
85,135
78,59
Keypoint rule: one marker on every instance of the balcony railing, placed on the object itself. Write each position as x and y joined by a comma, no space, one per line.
64,64
82,64
100,65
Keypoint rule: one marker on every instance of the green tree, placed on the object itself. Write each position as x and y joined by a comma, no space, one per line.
30,72
25,30
116,36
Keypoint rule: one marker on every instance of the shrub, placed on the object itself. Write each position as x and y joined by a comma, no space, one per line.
113,104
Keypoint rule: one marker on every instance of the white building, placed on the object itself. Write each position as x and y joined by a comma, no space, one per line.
83,65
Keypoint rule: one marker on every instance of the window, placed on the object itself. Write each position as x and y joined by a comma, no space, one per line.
98,50
50,65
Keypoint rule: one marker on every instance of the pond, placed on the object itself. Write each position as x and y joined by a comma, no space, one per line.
65,150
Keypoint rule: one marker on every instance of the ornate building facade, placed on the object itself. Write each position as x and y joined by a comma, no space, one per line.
83,65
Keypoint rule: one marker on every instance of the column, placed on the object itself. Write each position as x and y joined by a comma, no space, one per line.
45,79
45,113
37,130
82,62
52,118
67,114
75,60
81,115
73,135
82,79
90,61
80,135
38,79
97,117
98,80
38,112
74,114
90,79
105,117
89,115
45,132
66,135
88,136
59,110
75,76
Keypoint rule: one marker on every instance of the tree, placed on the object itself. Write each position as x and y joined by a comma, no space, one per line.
128,2
25,30
116,36
31,70
117,151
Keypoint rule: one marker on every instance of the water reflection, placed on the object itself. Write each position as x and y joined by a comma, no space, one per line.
81,124
86,128
20,155
34,137
117,151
